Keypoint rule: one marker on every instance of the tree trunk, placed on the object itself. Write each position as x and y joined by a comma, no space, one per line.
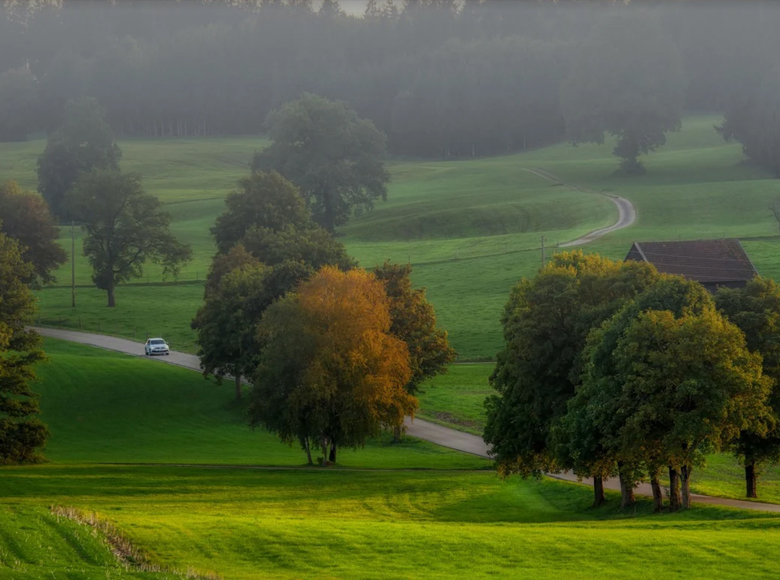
626,491
307,447
332,457
685,476
674,490
598,491
751,479
238,387
325,454
397,433
111,297
658,495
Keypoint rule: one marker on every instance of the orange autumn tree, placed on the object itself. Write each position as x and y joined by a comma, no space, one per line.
331,374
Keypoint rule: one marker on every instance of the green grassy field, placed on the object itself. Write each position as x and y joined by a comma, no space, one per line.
166,457
470,228
248,524
104,407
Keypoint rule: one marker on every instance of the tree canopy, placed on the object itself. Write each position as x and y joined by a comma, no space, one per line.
264,200
626,80
677,385
25,217
414,322
82,143
330,153
125,227
22,434
331,374
546,323
755,309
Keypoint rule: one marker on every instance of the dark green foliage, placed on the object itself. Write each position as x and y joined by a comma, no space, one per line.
22,434
331,154
673,387
312,246
546,323
414,322
84,142
626,80
25,217
227,343
755,309
265,200
125,227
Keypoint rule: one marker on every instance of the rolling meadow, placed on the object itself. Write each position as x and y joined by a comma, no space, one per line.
163,456
166,456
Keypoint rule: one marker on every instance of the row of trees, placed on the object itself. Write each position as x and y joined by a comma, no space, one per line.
613,370
334,353
440,78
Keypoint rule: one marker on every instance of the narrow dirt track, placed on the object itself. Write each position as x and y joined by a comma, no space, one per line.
419,428
626,210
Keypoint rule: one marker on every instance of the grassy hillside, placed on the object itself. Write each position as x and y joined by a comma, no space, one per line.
247,524
115,418
104,407
470,228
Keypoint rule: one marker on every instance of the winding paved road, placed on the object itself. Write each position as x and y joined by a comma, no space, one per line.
626,210
419,428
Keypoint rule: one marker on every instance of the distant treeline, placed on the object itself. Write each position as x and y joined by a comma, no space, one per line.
440,78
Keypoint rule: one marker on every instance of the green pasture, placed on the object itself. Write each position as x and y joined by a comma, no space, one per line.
166,457
247,524
470,228
106,407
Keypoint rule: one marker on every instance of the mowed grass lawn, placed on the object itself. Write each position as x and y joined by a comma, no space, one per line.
243,507
248,524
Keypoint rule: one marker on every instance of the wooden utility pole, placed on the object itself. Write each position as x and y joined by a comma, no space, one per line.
73,263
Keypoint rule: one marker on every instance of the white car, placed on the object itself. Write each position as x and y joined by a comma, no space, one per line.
156,346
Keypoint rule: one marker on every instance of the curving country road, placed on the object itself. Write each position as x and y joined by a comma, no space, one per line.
419,428
626,210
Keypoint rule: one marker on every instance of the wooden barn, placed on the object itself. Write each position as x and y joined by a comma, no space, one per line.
713,263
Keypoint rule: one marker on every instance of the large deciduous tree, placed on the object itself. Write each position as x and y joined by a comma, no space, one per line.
755,309
331,154
264,200
226,323
125,228
25,217
590,432
546,323
331,373
627,80
22,434
84,142
685,383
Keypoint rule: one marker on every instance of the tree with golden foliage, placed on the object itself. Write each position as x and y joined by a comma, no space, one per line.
331,373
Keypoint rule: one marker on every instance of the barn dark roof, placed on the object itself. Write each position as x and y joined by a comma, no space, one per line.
711,262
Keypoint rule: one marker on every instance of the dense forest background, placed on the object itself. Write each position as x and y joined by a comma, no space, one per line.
441,78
